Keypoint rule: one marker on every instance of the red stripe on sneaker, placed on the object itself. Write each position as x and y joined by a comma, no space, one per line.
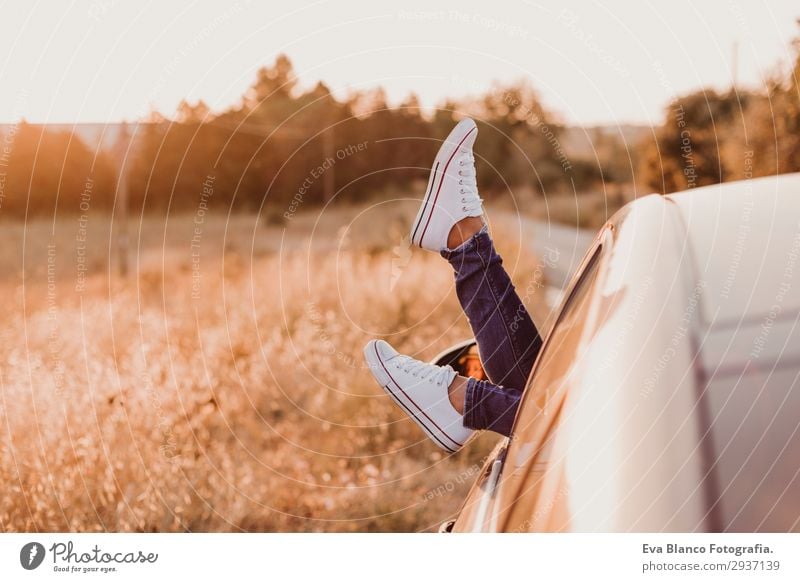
377,354
425,201
418,420
444,172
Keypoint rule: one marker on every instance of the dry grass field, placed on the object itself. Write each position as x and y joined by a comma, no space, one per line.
220,386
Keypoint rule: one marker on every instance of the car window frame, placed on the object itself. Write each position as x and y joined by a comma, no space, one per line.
590,260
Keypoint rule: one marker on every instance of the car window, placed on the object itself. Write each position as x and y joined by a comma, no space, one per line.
530,493
559,351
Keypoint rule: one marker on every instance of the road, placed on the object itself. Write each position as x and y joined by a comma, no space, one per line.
561,248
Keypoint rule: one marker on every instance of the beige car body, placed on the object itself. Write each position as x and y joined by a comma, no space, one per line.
666,395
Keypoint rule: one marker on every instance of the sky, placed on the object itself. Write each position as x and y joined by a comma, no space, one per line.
593,63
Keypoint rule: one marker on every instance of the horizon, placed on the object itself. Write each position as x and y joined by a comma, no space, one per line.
113,62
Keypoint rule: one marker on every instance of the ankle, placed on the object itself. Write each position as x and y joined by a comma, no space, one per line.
463,230
457,393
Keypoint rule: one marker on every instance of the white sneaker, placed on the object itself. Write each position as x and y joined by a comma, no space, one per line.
420,389
452,192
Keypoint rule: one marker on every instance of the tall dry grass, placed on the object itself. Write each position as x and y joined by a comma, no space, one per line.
239,402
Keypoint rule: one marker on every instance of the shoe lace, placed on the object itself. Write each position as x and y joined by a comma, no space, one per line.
468,182
434,374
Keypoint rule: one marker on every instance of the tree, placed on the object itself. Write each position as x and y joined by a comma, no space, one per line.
188,113
686,152
54,172
708,137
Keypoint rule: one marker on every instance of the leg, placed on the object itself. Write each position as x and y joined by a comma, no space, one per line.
450,217
484,405
447,407
424,391
507,338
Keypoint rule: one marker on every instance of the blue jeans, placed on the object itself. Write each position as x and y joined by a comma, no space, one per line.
508,340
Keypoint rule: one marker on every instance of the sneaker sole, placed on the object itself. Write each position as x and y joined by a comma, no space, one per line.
440,157
404,401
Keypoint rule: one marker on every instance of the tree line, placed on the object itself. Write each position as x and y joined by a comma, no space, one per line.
281,148
710,136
